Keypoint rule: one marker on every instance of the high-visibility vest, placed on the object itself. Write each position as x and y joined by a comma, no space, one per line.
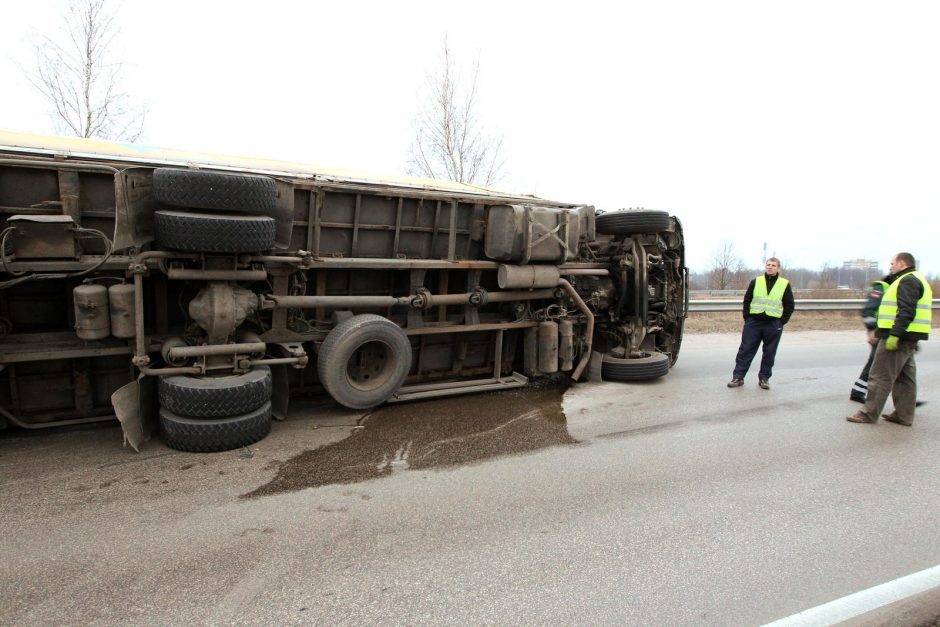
769,304
889,306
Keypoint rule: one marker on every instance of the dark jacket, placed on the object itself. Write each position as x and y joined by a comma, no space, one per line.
787,300
873,301
910,291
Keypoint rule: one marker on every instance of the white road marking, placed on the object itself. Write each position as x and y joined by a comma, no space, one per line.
864,601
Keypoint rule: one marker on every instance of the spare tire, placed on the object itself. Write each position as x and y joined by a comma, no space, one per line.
211,397
197,435
651,366
364,360
212,232
633,221
214,190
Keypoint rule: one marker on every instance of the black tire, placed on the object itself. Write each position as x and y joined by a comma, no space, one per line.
212,232
214,190
652,366
197,435
632,221
372,339
214,397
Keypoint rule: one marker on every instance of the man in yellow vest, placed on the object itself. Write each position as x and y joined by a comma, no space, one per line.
903,320
768,305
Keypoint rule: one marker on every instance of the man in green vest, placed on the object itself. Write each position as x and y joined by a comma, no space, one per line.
768,305
903,320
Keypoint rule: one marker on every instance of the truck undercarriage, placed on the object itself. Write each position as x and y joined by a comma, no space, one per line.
200,295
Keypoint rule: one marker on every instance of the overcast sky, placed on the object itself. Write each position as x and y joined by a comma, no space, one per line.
811,126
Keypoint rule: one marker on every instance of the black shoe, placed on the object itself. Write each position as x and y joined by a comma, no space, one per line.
858,398
735,383
764,384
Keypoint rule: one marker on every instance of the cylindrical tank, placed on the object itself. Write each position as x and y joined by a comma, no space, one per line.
92,321
530,351
123,315
524,277
566,344
548,347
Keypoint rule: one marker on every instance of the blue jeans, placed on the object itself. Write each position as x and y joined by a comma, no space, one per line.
757,331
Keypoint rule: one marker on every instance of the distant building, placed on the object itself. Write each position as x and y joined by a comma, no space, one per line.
860,264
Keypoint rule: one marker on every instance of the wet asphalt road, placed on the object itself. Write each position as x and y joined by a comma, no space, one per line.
674,502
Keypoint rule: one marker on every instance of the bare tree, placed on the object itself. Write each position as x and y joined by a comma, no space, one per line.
81,81
828,277
449,142
727,268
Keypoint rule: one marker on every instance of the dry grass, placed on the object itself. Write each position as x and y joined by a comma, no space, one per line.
730,322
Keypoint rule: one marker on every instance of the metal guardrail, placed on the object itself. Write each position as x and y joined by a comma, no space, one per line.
796,291
803,304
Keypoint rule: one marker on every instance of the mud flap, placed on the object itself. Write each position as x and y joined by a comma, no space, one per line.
135,406
594,367
280,392
280,377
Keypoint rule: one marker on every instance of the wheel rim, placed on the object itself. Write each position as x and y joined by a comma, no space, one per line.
369,366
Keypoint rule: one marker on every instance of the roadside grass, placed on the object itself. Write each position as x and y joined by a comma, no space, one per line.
731,321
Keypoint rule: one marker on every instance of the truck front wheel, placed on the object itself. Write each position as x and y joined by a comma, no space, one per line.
650,366
632,222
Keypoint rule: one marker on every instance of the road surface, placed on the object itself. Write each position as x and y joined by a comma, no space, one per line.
675,502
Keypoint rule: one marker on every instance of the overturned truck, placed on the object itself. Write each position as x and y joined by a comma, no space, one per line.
200,292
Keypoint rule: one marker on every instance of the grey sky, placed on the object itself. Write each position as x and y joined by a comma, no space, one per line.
813,126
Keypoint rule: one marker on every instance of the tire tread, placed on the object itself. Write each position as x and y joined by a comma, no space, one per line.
211,436
206,232
644,369
214,190
632,222
231,396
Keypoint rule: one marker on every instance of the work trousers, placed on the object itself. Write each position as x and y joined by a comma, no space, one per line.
758,331
894,373
861,384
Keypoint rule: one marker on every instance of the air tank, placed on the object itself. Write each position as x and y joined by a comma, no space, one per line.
123,315
548,347
525,277
92,321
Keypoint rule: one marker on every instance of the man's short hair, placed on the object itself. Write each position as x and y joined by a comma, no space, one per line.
774,259
906,258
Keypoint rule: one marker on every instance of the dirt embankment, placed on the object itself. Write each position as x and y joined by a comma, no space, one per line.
731,321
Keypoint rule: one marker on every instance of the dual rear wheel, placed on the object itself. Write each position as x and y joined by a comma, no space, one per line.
209,414
214,212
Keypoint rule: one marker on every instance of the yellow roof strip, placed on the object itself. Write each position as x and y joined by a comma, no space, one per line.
80,148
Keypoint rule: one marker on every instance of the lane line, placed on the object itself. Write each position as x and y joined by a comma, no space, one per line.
865,601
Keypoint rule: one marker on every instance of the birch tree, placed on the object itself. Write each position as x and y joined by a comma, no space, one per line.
449,139
78,75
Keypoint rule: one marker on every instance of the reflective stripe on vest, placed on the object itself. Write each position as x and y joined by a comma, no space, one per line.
769,304
888,311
